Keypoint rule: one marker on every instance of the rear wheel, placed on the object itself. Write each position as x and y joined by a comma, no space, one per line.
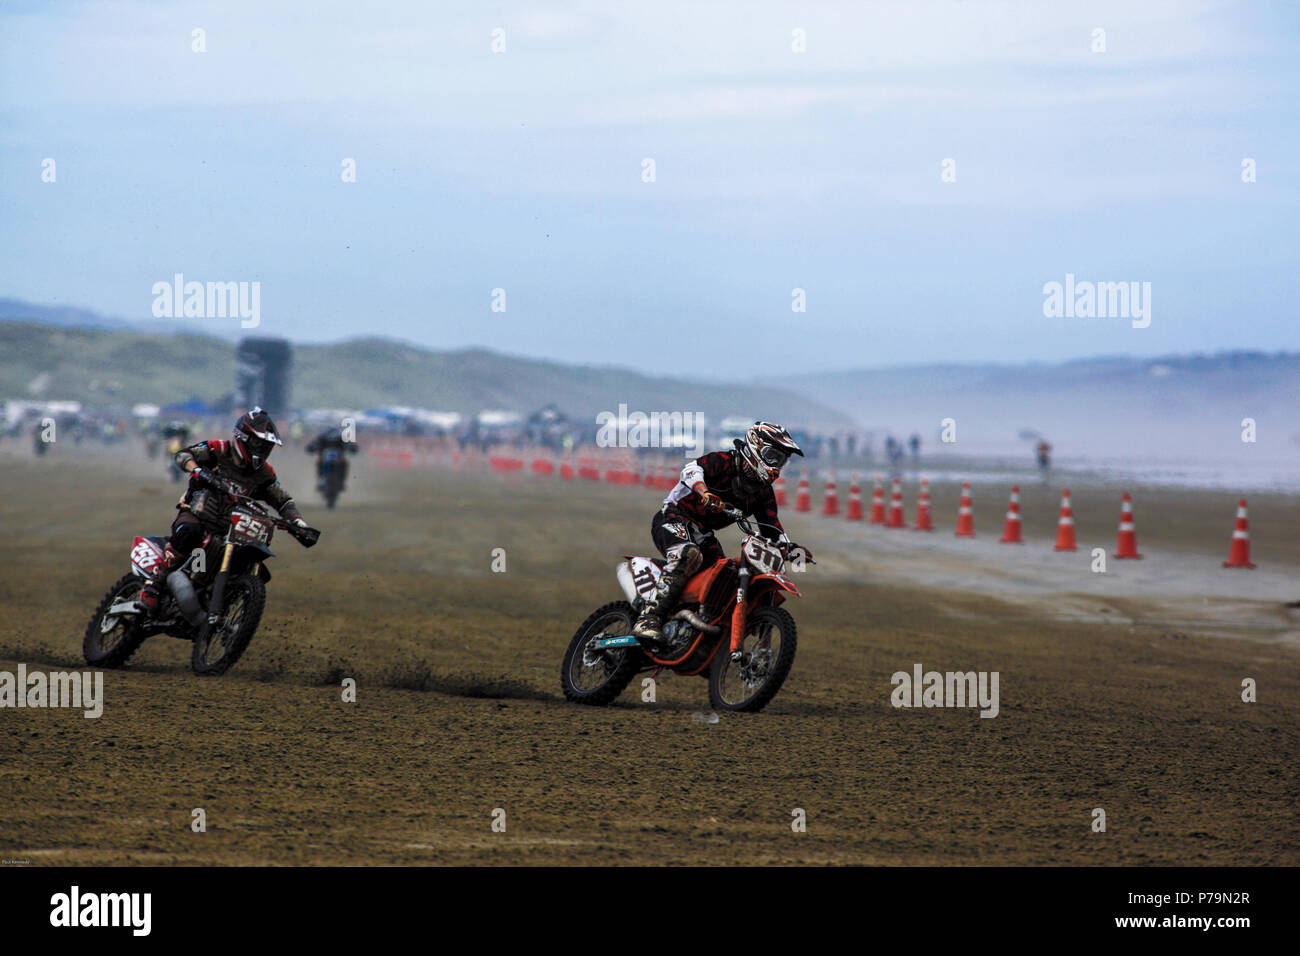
333,485
245,598
768,650
110,640
597,676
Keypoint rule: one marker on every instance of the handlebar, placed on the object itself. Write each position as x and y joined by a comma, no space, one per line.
307,537
746,525
744,522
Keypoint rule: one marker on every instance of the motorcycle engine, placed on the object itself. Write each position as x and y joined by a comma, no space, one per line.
678,634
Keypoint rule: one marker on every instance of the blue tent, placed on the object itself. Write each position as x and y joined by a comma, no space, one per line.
194,407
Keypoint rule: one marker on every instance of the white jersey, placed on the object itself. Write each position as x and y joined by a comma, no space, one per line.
692,474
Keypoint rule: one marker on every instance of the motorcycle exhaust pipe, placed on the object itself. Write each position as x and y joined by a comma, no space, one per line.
182,589
624,574
693,619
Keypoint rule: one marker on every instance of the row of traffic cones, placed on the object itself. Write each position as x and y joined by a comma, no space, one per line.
894,519
1125,547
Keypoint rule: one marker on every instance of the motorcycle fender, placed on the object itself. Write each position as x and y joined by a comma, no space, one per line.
248,558
780,580
259,548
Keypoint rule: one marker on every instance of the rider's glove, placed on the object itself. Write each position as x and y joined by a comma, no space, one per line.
205,477
300,522
712,503
797,552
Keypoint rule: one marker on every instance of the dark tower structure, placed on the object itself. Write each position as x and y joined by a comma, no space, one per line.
262,374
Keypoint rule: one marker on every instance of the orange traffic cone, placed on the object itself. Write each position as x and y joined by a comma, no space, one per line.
1239,554
923,522
1127,546
831,504
1011,530
855,500
803,497
896,506
1065,525
878,501
965,515
780,491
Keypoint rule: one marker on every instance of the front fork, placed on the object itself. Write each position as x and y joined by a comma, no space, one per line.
738,612
218,593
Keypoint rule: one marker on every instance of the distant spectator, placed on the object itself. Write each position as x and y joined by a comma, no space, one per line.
894,451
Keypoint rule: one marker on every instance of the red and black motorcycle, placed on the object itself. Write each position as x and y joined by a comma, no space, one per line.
215,599
729,626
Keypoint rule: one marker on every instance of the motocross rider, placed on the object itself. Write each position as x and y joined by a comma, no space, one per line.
683,529
331,439
216,469
177,429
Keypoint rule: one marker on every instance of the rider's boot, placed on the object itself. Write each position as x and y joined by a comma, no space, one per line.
649,625
151,593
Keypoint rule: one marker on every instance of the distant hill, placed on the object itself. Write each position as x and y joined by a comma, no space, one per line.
17,310
71,317
1109,407
116,367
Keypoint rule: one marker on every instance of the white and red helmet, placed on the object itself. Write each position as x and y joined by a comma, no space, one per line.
765,449
254,438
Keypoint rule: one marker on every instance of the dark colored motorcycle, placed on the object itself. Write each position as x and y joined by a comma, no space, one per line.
332,468
215,599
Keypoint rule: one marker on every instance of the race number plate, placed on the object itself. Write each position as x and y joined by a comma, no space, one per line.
250,528
762,555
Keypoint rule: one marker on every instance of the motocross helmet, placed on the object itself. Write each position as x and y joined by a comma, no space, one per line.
254,438
764,451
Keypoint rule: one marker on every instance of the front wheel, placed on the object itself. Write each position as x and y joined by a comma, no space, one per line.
245,599
111,639
768,650
597,676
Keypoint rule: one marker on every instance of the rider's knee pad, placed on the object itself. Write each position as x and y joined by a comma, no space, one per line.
187,536
685,557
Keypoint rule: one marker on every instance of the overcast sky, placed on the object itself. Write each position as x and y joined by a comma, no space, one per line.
774,170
